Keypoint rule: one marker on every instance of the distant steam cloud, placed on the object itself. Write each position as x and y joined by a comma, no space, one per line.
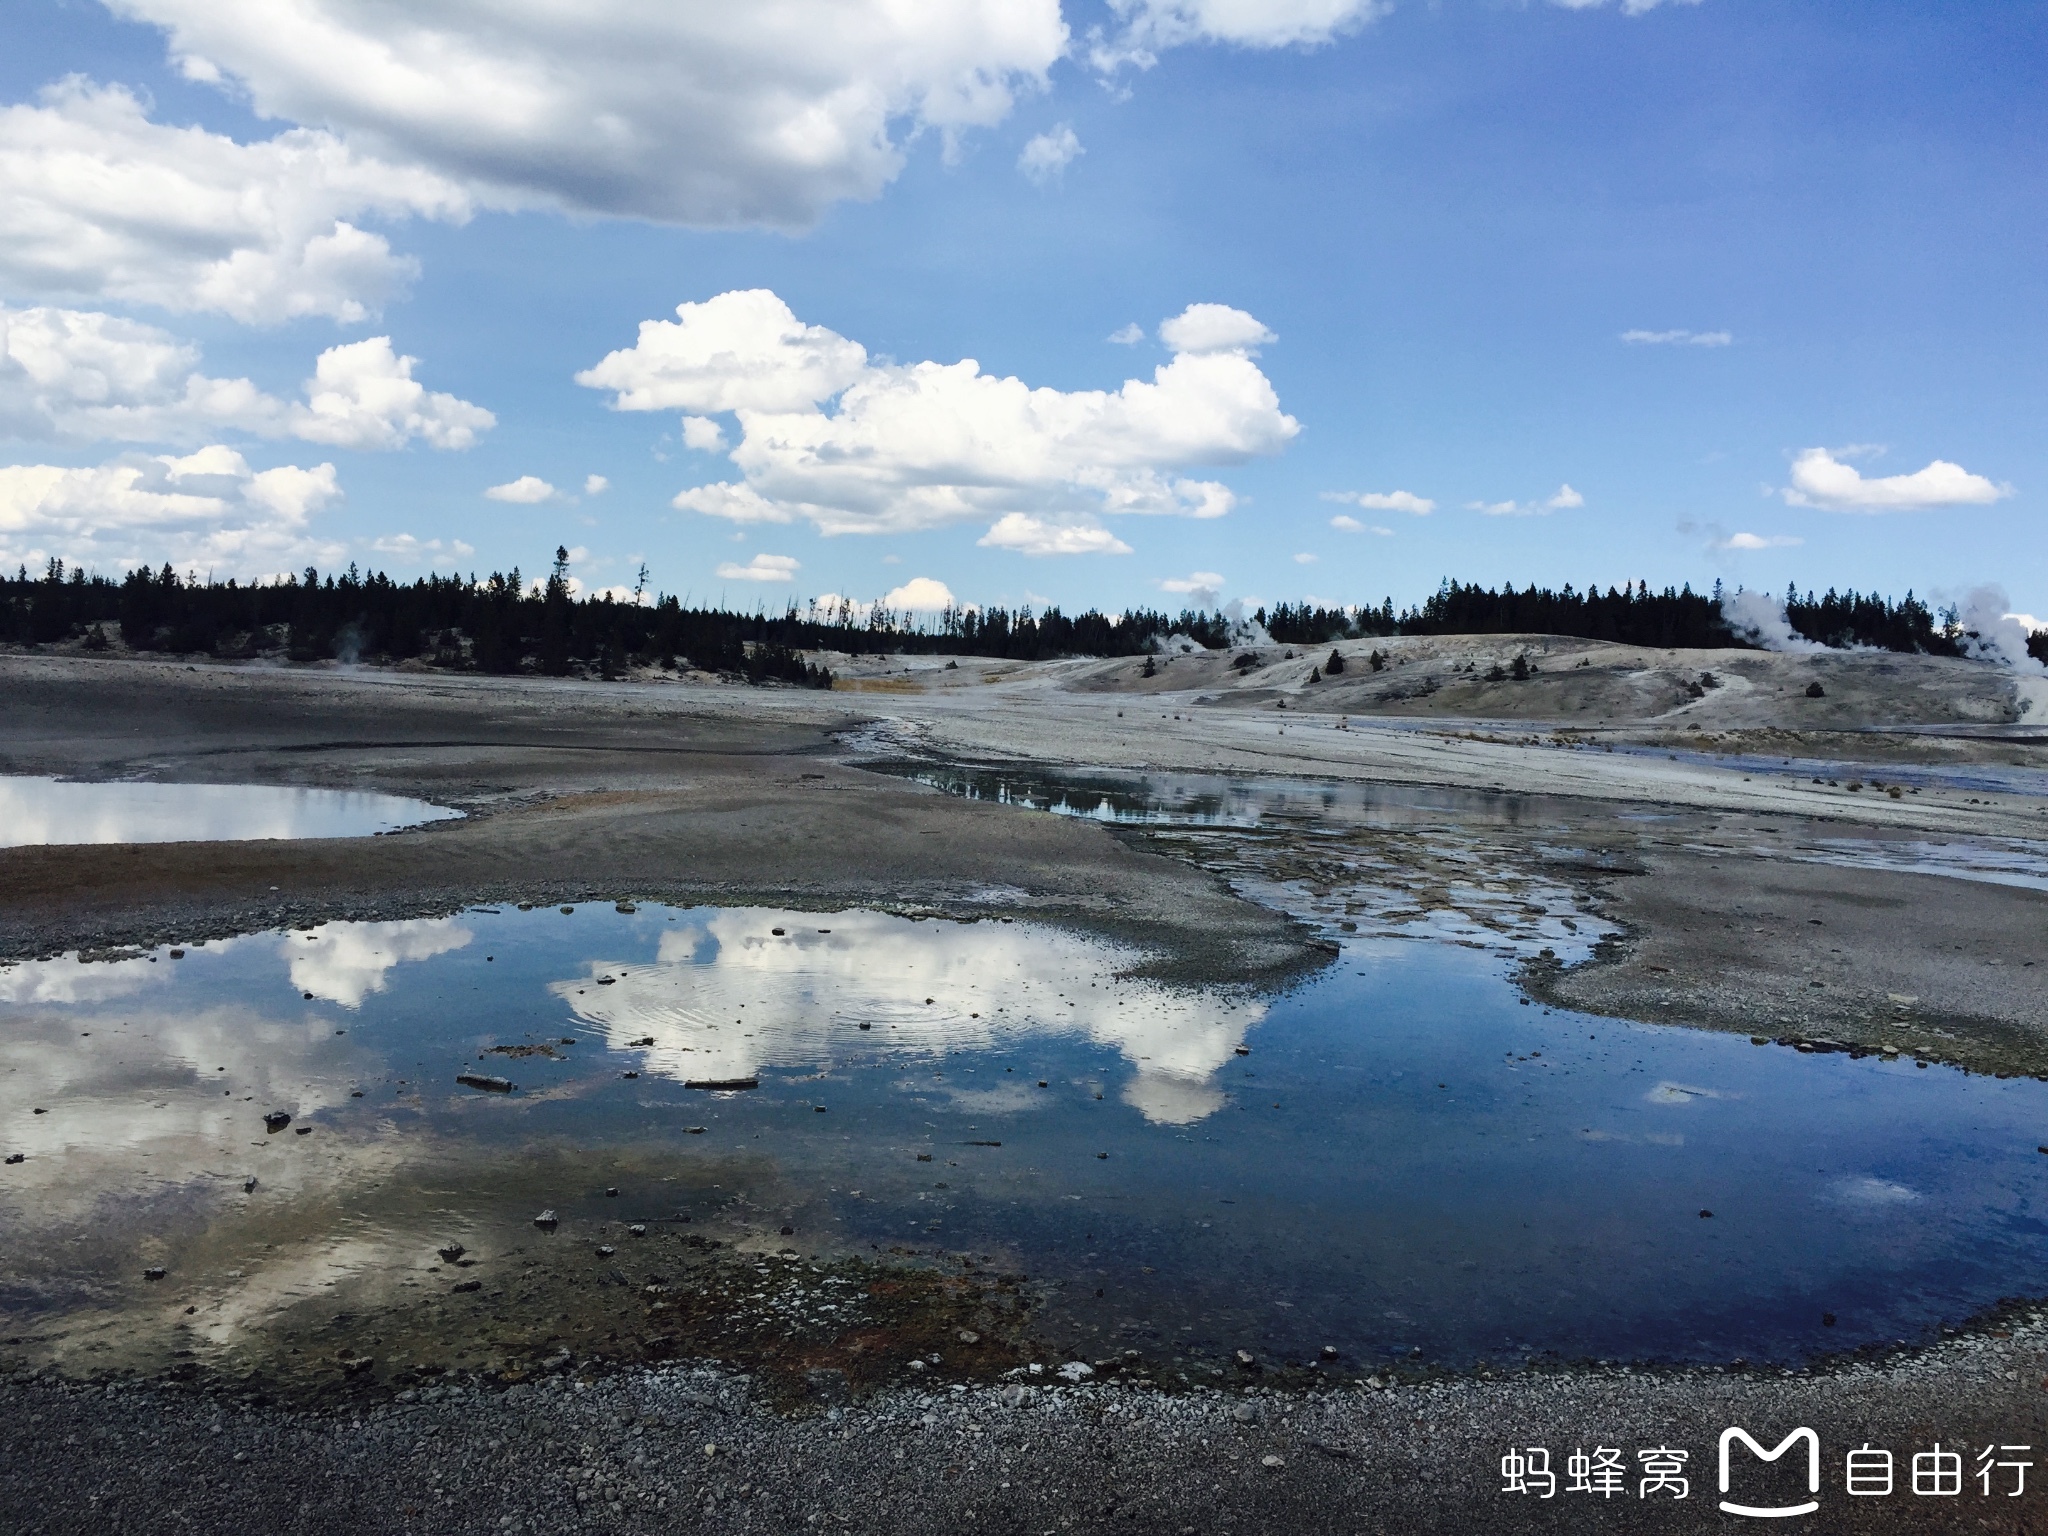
1760,619
1204,587
1993,632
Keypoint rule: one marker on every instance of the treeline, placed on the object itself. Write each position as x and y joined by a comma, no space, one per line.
504,624
1844,619
1629,615
1668,620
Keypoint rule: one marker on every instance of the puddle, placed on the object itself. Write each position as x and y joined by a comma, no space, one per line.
1212,800
41,810
1981,778
2016,863
1366,859
1405,1162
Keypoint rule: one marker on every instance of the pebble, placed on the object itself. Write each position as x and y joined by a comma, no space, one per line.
546,1221
449,1253
1271,1462
276,1120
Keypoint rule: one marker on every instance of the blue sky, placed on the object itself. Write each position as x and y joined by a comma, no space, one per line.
1447,216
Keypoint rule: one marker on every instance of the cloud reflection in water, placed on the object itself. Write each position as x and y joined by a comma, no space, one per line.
345,962
727,996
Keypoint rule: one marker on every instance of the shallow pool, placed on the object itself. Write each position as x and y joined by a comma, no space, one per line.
1397,1157
43,810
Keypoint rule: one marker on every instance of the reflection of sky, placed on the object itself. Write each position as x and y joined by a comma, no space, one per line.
345,962
40,810
178,1091
1408,1155
726,996
69,980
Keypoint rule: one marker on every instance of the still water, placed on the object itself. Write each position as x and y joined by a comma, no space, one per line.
42,810
1396,1157
1206,800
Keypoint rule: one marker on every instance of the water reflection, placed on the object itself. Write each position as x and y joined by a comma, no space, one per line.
44,810
728,995
1135,798
1406,1158
345,962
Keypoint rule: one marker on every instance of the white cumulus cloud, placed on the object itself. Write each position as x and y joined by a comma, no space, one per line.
1029,535
920,594
763,113
208,509
1344,523
853,446
1820,479
1046,156
595,485
1128,335
742,350
761,568
99,202
67,373
702,435
363,395
1755,541
527,490
1383,501
1204,328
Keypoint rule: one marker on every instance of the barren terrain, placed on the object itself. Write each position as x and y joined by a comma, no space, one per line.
1865,869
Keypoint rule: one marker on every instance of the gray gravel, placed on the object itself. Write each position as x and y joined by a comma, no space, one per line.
690,1448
